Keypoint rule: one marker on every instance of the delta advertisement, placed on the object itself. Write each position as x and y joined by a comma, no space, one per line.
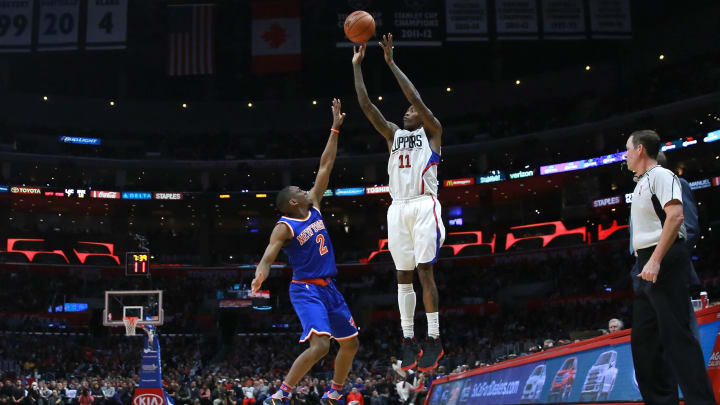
604,374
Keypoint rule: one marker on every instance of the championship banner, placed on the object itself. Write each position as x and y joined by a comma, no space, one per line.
106,24
58,25
563,19
610,19
16,26
466,20
516,19
416,23
412,23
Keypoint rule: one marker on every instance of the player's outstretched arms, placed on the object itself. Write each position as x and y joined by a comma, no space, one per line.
430,123
384,127
327,160
279,236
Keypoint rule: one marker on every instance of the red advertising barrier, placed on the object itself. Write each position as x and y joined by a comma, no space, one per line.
513,381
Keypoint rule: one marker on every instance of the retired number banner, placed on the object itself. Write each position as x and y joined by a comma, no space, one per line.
58,25
106,24
16,26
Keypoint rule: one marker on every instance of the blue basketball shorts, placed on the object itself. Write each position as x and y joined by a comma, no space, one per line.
322,311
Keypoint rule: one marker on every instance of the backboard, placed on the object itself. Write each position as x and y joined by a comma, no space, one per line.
146,305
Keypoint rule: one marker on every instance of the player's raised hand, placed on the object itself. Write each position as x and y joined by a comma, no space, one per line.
359,53
387,45
338,115
257,282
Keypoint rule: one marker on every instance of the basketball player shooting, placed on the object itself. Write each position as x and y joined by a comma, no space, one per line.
322,310
415,228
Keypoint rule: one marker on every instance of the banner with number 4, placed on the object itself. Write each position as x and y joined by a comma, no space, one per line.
107,24
16,26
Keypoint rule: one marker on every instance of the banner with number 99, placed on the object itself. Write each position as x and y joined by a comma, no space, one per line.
58,25
16,26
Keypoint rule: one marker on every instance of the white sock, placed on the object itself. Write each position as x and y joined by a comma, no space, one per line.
406,303
433,319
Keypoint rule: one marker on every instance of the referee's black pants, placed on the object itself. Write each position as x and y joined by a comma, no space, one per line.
661,334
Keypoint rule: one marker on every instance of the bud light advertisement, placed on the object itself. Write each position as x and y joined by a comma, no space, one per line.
600,374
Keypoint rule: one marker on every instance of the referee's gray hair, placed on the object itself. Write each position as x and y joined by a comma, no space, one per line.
648,139
622,325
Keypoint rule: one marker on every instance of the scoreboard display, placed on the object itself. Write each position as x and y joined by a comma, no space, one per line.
137,264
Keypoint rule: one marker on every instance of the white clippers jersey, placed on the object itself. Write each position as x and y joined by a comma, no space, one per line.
412,167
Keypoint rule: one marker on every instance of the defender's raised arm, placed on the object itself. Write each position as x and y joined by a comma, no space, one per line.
327,160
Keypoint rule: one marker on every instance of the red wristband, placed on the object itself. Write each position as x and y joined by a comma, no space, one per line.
334,130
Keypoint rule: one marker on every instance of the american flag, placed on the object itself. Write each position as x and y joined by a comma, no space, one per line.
191,46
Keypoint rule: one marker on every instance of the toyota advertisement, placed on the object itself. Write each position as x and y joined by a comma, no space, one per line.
603,374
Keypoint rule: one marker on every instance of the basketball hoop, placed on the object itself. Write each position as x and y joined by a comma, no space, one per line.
130,325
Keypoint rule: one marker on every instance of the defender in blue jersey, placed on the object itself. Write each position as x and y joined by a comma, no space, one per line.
322,310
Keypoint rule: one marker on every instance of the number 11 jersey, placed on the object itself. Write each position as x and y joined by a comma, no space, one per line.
310,251
412,166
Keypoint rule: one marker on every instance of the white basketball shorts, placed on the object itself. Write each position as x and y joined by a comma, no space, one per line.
415,231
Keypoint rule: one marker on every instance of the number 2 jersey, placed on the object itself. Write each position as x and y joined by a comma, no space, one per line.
412,166
310,251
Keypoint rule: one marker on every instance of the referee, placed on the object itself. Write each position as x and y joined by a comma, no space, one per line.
661,320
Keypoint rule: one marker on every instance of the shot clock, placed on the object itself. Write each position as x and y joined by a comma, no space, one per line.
137,264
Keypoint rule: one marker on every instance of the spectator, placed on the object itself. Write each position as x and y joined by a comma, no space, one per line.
7,389
108,392
403,388
85,398
33,396
45,393
205,395
397,366
355,398
248,393
548,344
18,395
97,394
184,395
55,399
615,325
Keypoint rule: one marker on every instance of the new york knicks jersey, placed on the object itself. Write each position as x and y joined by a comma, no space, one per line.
412,167
310,251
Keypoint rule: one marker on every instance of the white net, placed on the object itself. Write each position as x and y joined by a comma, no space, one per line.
130,325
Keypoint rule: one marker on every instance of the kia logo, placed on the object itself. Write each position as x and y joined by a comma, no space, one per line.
148,399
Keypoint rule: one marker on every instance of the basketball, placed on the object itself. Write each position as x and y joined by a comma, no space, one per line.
359,26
